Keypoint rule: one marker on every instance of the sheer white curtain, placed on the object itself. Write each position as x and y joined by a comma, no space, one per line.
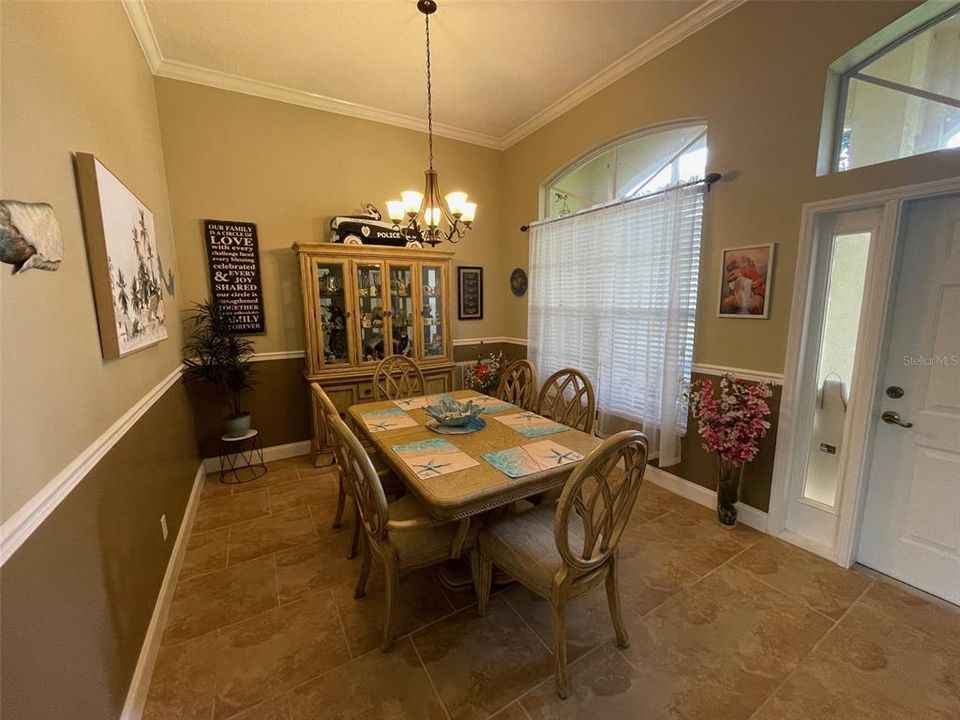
613,293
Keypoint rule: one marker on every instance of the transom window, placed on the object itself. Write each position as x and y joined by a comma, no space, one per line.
904,99
634,166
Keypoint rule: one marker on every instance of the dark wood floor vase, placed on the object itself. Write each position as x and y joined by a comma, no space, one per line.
723,625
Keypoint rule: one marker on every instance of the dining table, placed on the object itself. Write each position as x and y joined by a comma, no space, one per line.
465,484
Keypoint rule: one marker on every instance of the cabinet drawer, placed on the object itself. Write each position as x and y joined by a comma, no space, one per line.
342,398
436,385
364,392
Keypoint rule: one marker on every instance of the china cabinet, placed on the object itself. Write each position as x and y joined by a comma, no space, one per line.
362,302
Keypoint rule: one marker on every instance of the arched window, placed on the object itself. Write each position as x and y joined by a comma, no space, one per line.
903,99
641,163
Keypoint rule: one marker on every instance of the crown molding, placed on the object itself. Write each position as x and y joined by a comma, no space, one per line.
176,70
695,20
143,29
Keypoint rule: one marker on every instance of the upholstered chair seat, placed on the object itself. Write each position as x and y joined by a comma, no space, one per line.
424,542
399,535
524,546
393,486
560,552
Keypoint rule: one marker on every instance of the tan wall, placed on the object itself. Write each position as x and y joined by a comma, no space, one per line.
289,169
757,76
73,79
77,596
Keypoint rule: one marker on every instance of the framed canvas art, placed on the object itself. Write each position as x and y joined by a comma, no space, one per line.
746,274
125,267
469,293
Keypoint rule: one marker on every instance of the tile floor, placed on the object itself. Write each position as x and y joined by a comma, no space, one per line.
723,625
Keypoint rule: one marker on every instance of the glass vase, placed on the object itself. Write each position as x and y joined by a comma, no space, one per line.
728,492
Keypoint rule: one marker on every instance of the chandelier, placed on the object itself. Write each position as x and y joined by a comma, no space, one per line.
425,212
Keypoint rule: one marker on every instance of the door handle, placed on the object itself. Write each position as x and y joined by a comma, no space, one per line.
893,418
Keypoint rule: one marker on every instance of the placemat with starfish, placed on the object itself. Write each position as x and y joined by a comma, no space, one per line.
489,404
415,403
387,419
530,424
429,458
531,458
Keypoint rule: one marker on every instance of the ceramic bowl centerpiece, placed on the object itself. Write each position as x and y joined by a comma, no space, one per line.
451,413
450,417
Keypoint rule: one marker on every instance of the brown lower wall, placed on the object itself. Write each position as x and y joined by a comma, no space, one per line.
700,467
77,596
279,406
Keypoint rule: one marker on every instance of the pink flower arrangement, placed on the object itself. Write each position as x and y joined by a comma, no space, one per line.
732,424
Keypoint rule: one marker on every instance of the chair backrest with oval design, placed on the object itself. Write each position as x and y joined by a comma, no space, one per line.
398,377
567,396
362,476
598,499
519,384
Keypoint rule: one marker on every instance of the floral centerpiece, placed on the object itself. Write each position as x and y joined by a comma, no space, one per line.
731,425
484,376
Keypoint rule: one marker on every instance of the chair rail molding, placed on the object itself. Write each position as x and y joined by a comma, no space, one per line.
278,355
742,373
489,340
19,526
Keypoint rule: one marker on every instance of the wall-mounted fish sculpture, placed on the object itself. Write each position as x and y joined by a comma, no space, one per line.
29,236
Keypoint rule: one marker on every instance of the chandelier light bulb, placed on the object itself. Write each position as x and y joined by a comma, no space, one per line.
432,217
395,210
469,212
456,201
411,201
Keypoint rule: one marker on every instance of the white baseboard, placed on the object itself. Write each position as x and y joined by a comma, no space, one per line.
274,452
750,516
142,674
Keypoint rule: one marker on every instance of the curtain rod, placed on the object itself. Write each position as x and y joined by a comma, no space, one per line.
708,181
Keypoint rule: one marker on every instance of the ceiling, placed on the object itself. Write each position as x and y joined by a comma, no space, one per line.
500,69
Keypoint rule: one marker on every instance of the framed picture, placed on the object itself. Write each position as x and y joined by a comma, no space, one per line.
125,268
470,293
745,278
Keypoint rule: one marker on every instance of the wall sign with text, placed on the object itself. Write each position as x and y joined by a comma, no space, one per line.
233,258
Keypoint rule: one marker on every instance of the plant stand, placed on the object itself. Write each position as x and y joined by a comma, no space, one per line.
240,457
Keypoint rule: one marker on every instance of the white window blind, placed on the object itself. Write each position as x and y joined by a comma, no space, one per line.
613,292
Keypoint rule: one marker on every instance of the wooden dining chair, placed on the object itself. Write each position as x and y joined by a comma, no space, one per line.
567,396
561,552
393,486
398,377
519,384
400,534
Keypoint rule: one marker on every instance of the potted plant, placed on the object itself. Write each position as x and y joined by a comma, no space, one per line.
217,356
484,376
732,426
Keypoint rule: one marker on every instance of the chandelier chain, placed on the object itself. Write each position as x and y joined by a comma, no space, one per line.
429,94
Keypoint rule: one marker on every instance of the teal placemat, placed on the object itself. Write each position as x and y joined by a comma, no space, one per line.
531,458
429,458
387,419
531,425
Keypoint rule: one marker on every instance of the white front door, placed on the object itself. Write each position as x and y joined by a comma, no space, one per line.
911,520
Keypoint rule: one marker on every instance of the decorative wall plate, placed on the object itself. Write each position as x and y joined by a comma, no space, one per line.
518,282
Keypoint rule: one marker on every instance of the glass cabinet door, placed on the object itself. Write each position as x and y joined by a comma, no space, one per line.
371,311
402,309
334,314
432,311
